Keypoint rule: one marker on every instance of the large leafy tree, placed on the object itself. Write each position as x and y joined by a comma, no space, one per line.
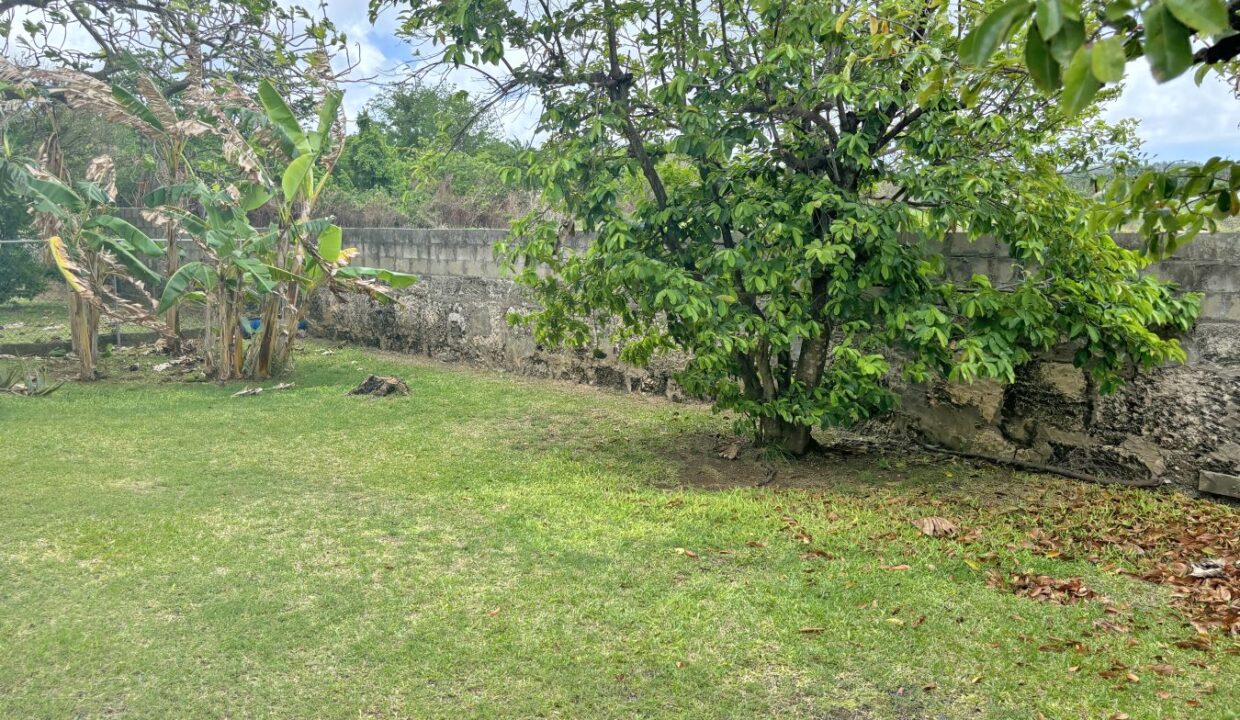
434,154
803,166
1081,46
248,40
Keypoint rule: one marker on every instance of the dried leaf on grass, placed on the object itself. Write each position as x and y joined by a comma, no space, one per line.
1189,545
1043,587
935,526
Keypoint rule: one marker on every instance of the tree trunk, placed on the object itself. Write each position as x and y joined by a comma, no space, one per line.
263,350
173,317
288,333
84,330
792,438
230,345
222,338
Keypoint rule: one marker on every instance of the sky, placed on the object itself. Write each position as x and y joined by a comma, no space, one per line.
1177,120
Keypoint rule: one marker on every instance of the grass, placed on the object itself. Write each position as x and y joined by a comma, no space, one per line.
43,320
498,547
29,321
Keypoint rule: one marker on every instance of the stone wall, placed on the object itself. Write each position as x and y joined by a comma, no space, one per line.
1171,425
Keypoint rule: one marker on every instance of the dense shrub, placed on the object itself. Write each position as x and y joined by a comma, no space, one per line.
22,275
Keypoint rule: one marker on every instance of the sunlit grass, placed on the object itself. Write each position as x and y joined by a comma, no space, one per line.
498,547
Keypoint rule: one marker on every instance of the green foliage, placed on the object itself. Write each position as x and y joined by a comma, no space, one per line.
1161,30
22,276
274,267
415,116
81,136
93,244
433,157
820,159
369,161
1082,47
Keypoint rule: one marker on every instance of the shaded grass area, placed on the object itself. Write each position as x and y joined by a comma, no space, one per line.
497,547
45,320
42,319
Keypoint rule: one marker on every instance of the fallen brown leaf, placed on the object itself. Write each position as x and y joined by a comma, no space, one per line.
935,526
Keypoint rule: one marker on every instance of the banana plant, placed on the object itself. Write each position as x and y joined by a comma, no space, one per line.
88,242
91,247
170,133
276,268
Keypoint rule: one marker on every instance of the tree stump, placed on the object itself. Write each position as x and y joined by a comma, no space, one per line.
377,386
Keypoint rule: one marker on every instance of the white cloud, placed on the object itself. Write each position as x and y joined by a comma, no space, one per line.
1178,119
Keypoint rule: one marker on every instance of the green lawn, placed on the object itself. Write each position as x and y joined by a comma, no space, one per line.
33,321
497,547
44,320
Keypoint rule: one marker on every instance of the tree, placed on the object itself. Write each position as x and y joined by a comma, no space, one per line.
275,165
414,115
803,165
368,161
247,40
435,155
1082,47
89,244
152,49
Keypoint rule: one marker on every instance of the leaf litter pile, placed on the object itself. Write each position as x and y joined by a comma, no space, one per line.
1191,546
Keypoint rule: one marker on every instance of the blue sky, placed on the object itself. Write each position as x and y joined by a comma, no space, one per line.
1179,120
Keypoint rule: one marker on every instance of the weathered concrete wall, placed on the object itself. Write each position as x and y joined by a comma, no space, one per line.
1169,424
